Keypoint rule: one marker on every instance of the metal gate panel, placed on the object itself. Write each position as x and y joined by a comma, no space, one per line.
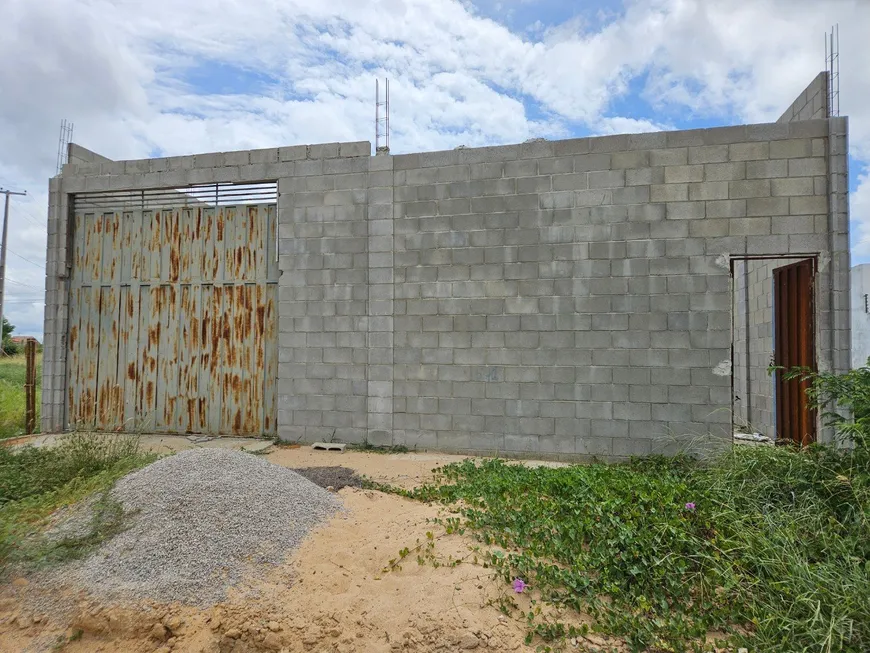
172,317
794,347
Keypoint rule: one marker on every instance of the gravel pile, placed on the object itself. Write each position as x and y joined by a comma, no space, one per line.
330,477
201,521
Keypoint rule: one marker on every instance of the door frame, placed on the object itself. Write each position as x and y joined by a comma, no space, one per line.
812,259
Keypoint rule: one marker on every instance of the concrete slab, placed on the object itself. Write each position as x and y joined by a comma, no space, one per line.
169,443
328,446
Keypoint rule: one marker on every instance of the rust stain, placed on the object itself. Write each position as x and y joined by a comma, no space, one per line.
217,353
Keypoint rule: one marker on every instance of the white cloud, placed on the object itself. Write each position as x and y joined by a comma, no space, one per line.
118,70
623,125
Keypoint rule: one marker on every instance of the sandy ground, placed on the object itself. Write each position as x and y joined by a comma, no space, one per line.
333,594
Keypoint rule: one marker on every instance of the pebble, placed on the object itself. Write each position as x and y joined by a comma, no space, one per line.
158,631
469,641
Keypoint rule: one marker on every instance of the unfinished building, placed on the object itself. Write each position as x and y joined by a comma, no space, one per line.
606,296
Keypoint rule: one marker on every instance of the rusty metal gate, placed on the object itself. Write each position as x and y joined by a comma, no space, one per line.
172,319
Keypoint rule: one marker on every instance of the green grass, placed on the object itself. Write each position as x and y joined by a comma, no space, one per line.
776,552
35,482
12,373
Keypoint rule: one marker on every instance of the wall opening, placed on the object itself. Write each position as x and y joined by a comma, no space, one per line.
173,311
773,325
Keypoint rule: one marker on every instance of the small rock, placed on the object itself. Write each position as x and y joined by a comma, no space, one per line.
37,618
743,650
274,626
20,582
272,641
158,631
215,624
174,623
335,632
330,488
24,621
233,633
469,641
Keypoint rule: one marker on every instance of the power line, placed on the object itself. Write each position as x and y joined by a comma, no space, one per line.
26,285
32,219
39,265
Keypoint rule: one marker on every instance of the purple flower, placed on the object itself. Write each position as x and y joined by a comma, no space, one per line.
690,506
519,585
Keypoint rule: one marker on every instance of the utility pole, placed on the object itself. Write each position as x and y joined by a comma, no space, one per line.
3,257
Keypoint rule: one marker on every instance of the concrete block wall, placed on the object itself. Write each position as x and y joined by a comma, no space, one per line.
295,168
860,275
811,104
568,298
325,301
574,297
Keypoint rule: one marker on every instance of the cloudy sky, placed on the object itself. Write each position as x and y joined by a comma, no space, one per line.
168,77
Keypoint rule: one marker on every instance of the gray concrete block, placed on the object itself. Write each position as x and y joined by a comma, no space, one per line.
604,179
806,167
669,157
791,149
669,193
355,149
792,186
710,190
749,188
590,162
683,174
766,169
574,181
748,151
630,159
580,198
708,154
734,170
631,195
644,176
814,204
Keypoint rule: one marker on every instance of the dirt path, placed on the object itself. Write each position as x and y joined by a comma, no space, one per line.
332,595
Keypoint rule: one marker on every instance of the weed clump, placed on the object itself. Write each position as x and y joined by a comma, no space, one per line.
768,545
34,482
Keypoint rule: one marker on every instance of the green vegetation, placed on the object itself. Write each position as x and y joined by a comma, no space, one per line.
6,345
12,373
775,551
368,447
35,482
767,546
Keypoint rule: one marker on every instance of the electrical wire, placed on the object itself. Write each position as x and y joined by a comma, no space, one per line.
26,285
39,265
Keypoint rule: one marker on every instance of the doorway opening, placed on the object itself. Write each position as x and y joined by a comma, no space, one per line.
773,326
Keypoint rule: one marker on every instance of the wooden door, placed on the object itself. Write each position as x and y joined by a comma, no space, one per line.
794,346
